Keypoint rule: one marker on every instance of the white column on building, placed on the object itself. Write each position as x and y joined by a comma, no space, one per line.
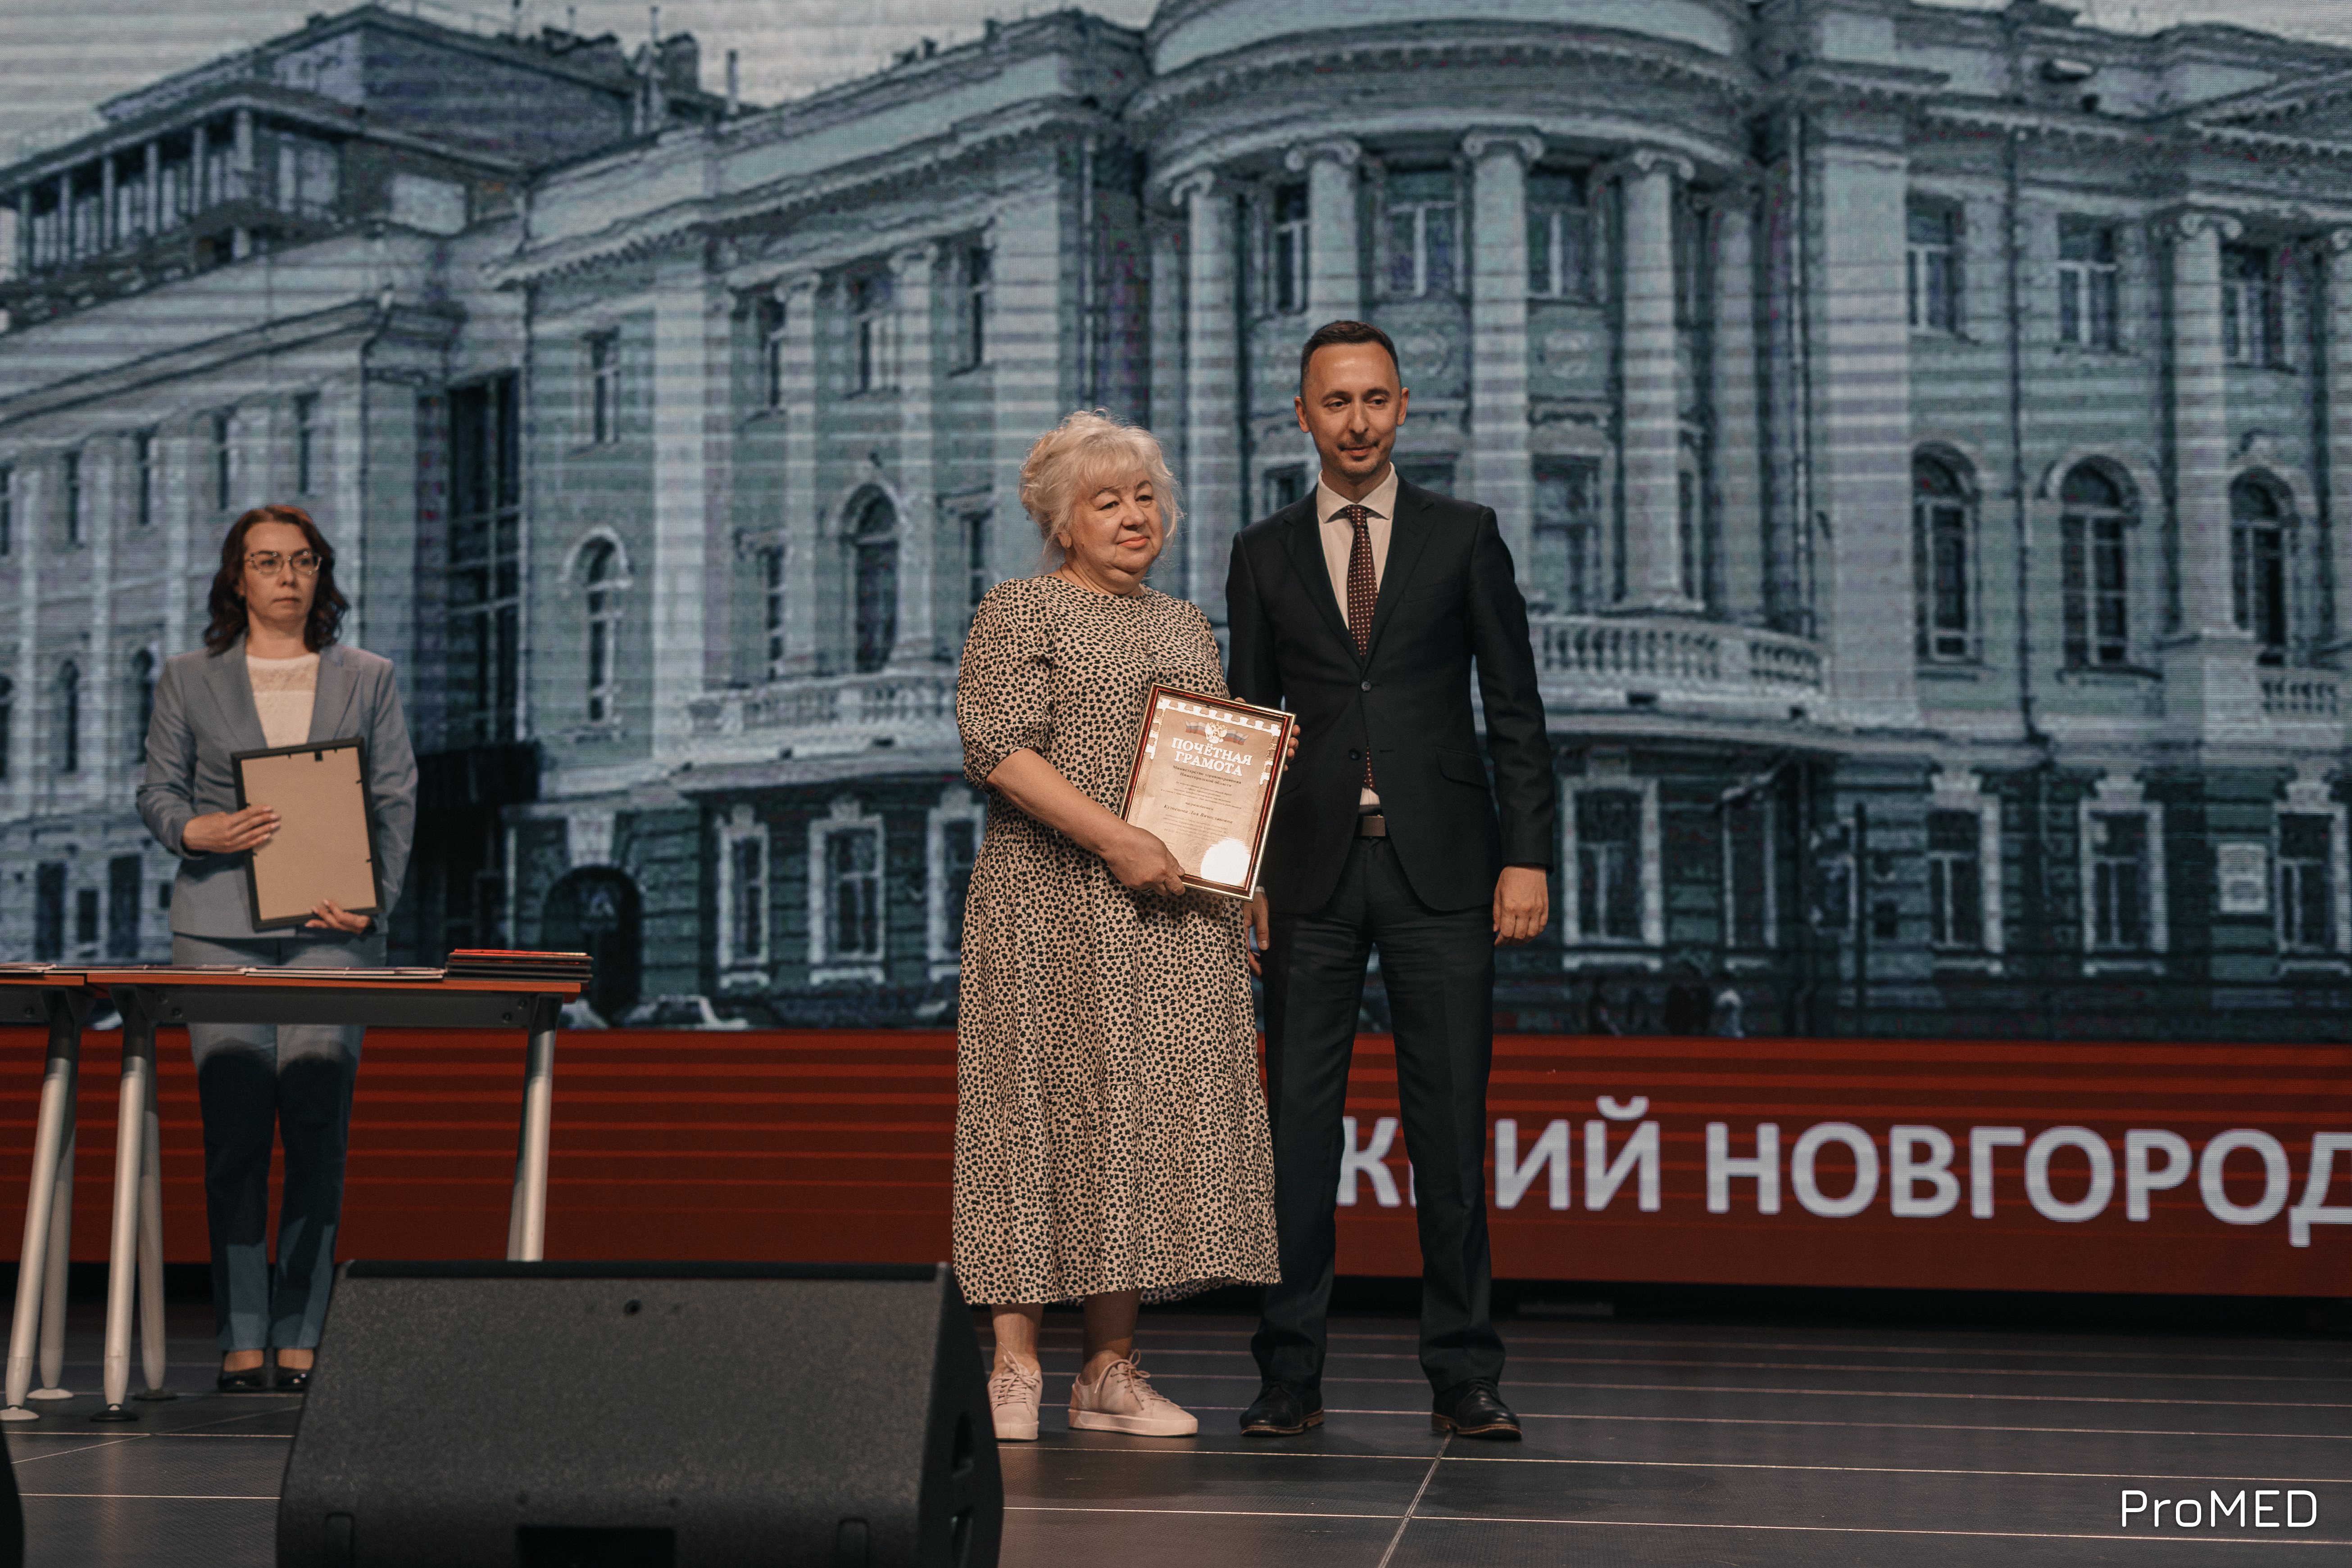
1335,282
340,418
102,746
1737,435
35,697
241,178
176,455
689,369
1859,352
1211,370
2338,339
913,274
1166,414
1651,398
1500,475
1032,335
797,530
2200,423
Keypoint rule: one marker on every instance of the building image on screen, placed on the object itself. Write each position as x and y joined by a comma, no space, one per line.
1920,432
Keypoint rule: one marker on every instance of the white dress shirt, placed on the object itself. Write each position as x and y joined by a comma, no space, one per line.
1339,537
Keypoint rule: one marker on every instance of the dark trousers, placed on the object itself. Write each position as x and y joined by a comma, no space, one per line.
1439,968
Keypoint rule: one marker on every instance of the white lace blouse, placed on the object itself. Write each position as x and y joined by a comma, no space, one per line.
283,692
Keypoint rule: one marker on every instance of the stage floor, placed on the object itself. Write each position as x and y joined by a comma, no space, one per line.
1646,1443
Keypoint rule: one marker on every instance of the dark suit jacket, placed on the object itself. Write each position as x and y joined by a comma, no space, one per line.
204,712
1447,598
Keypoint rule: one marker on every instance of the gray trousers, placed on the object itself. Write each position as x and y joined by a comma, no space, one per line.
291,1083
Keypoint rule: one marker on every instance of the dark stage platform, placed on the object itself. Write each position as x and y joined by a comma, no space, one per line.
1646,1443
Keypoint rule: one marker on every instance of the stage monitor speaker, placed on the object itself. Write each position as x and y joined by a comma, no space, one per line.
644,1415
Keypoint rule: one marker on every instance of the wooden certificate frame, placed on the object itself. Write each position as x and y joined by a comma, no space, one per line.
325,844
1204,780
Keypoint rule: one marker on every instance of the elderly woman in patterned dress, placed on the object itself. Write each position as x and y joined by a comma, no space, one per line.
1110,1129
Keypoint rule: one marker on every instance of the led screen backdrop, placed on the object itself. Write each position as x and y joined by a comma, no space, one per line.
1919,430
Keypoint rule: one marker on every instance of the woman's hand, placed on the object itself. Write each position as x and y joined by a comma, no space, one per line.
1142,864
229,832
332,916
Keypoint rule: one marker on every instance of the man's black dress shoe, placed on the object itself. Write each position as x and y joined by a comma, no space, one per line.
1474,1409
1282,1410
251,1380
292,1379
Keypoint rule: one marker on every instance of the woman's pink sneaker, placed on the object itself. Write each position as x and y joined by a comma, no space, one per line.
1013,1397
1123,1399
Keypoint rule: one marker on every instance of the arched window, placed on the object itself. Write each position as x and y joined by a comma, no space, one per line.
873,572
600,570
68,737
2260,517
1939,523
142,706
2094,554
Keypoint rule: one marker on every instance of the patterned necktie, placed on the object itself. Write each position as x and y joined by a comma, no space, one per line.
1363,592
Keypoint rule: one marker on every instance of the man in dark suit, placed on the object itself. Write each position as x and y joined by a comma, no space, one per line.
1362,608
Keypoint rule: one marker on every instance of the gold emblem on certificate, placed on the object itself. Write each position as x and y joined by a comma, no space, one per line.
1203,781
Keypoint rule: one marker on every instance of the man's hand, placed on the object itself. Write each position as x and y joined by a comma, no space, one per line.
1522,904
1261,933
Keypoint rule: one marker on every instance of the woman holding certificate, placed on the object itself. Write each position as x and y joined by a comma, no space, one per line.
1110,1132
272,674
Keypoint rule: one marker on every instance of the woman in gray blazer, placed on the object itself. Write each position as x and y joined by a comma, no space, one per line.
272,674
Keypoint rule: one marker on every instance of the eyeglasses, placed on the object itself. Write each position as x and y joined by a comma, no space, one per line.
268,562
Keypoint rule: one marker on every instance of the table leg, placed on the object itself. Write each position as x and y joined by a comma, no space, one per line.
123,1257
527,1216
53,1289
52,1135
151,1259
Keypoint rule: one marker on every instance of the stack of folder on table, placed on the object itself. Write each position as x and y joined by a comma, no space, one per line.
491,964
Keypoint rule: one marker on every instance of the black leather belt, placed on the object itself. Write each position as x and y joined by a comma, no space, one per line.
1371,825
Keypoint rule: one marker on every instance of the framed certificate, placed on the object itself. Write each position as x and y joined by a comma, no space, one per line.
325,844
1204,780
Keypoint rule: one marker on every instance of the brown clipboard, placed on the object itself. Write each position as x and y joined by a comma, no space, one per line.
325,844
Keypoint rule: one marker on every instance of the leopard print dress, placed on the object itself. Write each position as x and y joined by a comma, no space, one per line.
1110,1129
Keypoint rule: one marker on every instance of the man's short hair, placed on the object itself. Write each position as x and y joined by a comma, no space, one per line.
1331,332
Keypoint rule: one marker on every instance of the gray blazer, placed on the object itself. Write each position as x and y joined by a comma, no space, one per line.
205,713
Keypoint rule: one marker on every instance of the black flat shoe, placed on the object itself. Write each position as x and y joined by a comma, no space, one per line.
292,1380
252,1380
1282,1410
1473,1410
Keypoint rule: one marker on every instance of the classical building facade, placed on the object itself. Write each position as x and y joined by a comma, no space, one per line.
1922,435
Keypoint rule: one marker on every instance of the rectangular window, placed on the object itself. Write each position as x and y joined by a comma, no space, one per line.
746,915
2119,881
1943,567
86,916
871,366
7,509
1559,238
1286,251
771,603
853,893
1748,870
69,496
977,578
1422,237
1284,486
959,848
2307,892
224,462
306,443
1609,865
142,458
2097,607
49,911
771,351
973,316
1932,268
1956,880
484,573
2250,305
7,727
123,885
605,388
1686,532
2089,288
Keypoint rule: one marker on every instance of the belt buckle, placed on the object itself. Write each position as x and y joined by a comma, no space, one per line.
1371,825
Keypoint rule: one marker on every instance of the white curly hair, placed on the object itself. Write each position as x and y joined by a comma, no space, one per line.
1087,451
